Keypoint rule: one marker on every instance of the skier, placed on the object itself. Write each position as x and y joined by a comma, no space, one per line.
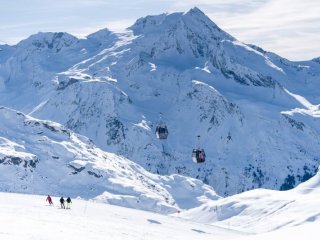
49,199
68,202
62,203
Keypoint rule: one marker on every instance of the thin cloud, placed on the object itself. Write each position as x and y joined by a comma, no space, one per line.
116,26
120,25
288,27
220,7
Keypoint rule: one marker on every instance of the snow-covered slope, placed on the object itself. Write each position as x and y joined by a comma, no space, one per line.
257,113
264,210
43,157
34,220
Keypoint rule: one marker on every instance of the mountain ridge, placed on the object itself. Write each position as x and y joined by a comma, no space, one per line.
44,157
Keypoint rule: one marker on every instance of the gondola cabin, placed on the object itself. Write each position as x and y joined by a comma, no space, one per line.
198,155
162,131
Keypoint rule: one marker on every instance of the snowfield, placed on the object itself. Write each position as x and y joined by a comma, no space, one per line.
295,213
29,217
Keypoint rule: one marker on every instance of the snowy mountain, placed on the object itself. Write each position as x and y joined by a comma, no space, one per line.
43,157
257,113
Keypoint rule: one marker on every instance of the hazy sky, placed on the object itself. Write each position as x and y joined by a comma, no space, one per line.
290,28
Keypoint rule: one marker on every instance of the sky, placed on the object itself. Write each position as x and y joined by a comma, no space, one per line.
290,28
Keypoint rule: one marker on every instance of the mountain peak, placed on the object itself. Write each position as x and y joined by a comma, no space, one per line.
195,11
102,33
102,36
194,19
148,23
317,60
49,40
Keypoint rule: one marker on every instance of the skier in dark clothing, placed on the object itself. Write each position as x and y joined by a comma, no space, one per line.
62,202
49,199
68,202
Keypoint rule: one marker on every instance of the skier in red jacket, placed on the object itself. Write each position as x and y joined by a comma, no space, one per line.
49,199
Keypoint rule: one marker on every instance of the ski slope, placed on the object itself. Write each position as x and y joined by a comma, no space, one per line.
29,217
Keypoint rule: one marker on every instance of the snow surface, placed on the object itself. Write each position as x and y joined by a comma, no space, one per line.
29,217
262,210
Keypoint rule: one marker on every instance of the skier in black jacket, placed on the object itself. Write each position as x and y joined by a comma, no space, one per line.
62,202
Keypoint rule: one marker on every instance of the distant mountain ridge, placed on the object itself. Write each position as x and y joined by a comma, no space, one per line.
257,113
